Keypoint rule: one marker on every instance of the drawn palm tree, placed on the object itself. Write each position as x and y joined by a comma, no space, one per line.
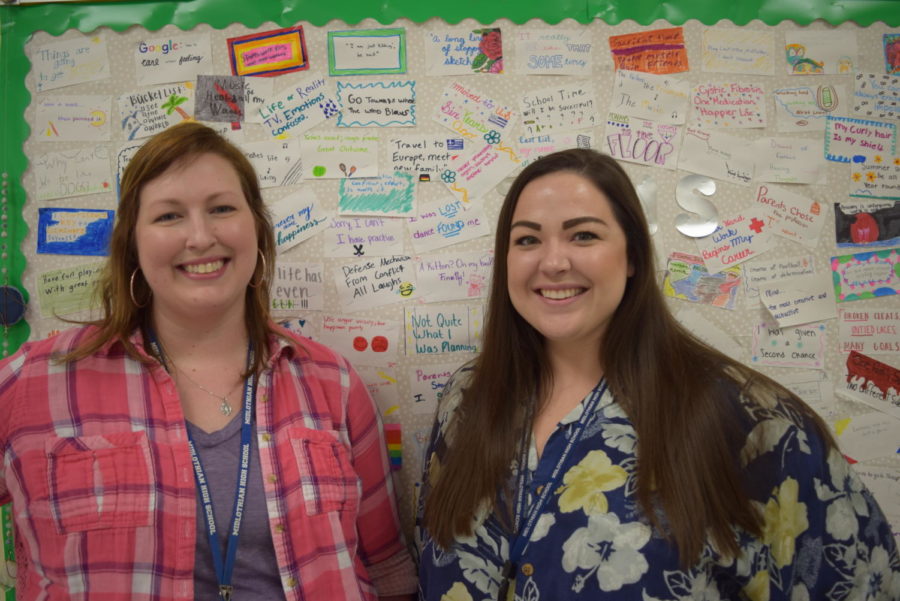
172,105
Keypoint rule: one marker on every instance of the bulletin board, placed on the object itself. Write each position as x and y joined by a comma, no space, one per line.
385,225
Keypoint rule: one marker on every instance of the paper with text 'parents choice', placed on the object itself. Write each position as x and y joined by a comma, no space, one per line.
426,383
798,300
791,215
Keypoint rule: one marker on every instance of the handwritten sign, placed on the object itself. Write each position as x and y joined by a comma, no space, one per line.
875,176
164,60
796,346
70,62
811,52
297,287
866,275
650,96
364,236
846,138
441,223
729,105
300,108
816,390
688,279
792,216
454,276
805,108
150,111
276,162
872,382
379,104
738,50
798,300
367,51
642,141
443,329
381,381
297,217
867,436
472,115
72,173
461,52
269,53
566,107
388,195
876,96
738,238
717,155
362,340
865,224
220,99
68,290
374,282
758,273
426,383
531,148
72,118
74,231
308,327
553,52
789,161
471,177
656,51
336,156
869,331
425,156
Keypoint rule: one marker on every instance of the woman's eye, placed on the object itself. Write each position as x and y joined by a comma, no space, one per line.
223,209
525,241
166,217
585,236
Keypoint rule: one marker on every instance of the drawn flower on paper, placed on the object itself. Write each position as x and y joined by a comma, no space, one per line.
877,158
856,176
871,176
172,104
492,137
490,51
785,519
584,484
448,176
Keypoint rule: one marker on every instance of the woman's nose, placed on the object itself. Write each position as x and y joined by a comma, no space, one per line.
556,258
201,234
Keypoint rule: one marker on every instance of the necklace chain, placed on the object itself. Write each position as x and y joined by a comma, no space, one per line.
224,408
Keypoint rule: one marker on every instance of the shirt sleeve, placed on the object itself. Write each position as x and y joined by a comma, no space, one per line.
381,544
10,370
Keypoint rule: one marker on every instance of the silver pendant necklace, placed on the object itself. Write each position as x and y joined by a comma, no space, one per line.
225,408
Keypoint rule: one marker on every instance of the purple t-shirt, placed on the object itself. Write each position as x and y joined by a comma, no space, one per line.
255,576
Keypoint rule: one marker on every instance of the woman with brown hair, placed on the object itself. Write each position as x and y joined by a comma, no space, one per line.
597,450
183,446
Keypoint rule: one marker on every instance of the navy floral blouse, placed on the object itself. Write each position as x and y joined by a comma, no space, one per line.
824,537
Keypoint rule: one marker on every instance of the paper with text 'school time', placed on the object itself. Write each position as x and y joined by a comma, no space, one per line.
531,148
728,105
865,224
276,162
798,300
426,383
866,275
794,346
74,172
561,108
148,112
298,287
68,231
452,276
472,115
716,154
297,217
759,273
329,155
661,98
472,176
793,216
738,50
460,51
642,141
362,340
164,60
656,51
441,223
809,52
374,282
553,52
433,330
738,238
872,382
378,104
869,331
846,138
70,62
356,237
688,279
875,176
68,290
424,155
388,195
73,118
806,108
367,51
789,161
299,108
876,96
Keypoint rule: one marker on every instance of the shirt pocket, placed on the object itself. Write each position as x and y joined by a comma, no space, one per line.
327,478
98,482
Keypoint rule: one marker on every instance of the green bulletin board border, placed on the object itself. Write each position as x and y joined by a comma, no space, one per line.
18,23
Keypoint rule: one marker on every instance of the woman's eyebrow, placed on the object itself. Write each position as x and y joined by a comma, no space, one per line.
528,224
570,223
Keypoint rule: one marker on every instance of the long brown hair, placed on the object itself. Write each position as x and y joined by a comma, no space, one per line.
688,439
178,144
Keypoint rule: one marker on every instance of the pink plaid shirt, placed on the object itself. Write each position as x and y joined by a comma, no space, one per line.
96,464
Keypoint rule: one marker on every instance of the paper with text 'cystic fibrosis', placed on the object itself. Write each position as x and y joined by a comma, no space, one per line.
789,161
798,300
297,217
472,115
847,138
730,105
869,331
301,107
793,216
173,58
374,282
865,224
806,108
388,195
70,62
298,287
716,154
454,276
442,223
866,275
378,104
810,52
662,98
73,118
794,346
68,290
738,50
424,155
74,172
355,237
148,112
433,330
362,340
426,383
553,52
70,231
565,107
872,382
688,279
277,163
762,271
330,155
642,141
739,237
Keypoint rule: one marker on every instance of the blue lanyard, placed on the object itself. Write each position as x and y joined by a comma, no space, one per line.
224,569
524,531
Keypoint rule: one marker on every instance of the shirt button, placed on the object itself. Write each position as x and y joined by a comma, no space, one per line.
273,478
279,528
291,582
266,437
527,569
263,398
